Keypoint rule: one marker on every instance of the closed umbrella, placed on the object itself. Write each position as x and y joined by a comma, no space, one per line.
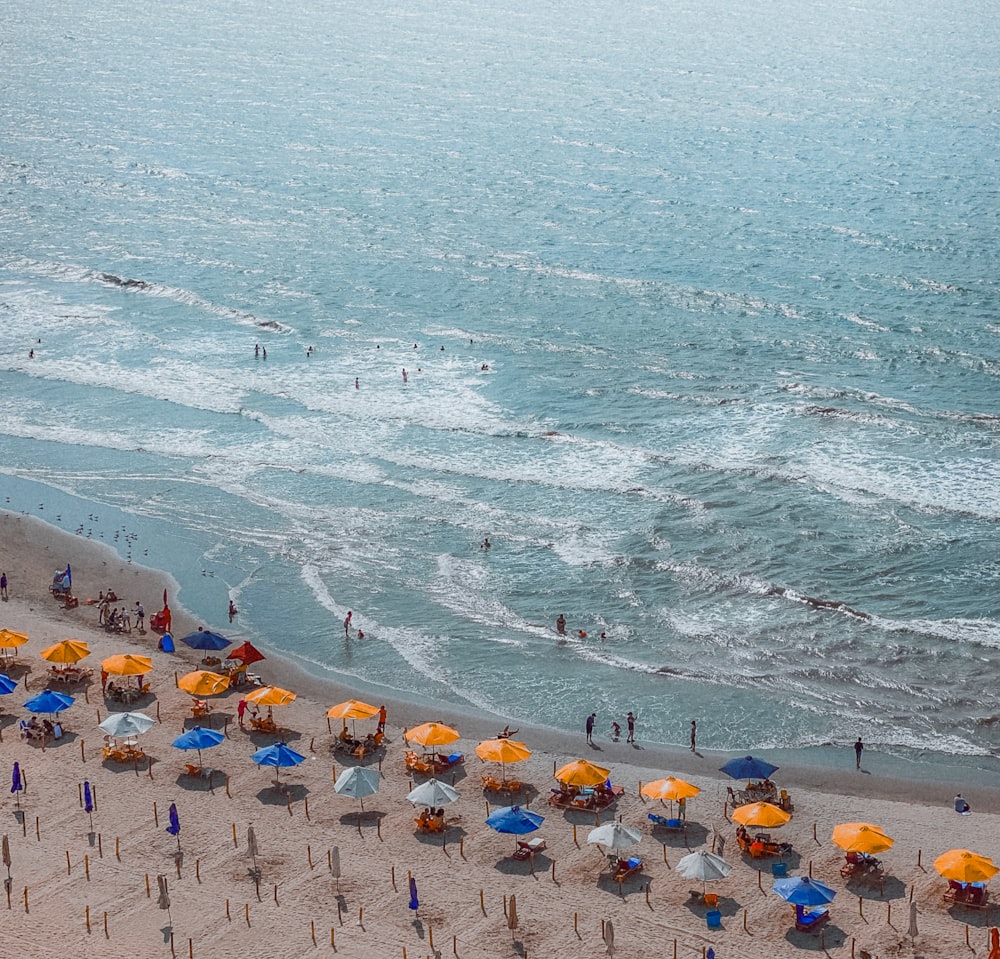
358,782
199,738
702,865
747,767
609,937
512,914
614,835
163,899
764,815
414,902
127,724
432,793
6,854
88,802
175,824
912,931
17,784
252,849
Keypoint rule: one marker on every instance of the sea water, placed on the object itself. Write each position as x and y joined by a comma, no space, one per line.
698,306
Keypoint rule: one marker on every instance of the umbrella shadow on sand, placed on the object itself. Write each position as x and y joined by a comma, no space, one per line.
830,936
280,796
68,736
522,867
281,735
726,905
889,888
692,836
451,834
202,783
370,817
637,883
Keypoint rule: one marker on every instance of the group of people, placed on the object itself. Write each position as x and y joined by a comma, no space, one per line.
431,819
118,619
33,729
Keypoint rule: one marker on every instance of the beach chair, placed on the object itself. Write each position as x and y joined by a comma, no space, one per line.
710,899
626,868
674,825
812,920
526,848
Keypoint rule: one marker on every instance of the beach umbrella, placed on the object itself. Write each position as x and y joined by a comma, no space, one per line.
9,639
252,849
278,755
175,824
432,793
353,710
198,738
965,866
414,902
913,932
860,837
127,724
201,682
6,855
502,751
614,835
163,899
703,865
335,864
669,789
205,639
582,772
512,914
514,820
49,702
127,664
17,784
67,652
246,654
358,782
7,685
764,815
270,696
803,891
748,768
609,937
431,734
88,802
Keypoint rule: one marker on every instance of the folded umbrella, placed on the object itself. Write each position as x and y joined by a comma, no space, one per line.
17,784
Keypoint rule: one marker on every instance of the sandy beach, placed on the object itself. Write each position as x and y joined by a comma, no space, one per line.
63,870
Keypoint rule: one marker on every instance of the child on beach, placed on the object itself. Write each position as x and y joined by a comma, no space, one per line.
616,731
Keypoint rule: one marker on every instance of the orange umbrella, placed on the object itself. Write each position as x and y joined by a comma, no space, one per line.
764,815
582,773
353,710
670,789
432,734
860,837
68,651
270,696
127,664
965,866
203,683
11,640
502,751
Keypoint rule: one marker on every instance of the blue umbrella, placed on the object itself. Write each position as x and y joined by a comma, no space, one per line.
88,802
414,902
206,639
199,739
515,820
748,768
7,685
277,755
175,824
49,702
803,891
16,784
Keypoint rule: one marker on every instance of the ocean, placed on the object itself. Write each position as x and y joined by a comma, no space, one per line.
699,312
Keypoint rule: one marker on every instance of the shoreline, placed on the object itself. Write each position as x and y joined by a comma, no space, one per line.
933,782
464,877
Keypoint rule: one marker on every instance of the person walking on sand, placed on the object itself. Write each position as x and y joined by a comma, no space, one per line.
241,708
630,722
591,719
381,720
858,749
140,617
3,586
694,734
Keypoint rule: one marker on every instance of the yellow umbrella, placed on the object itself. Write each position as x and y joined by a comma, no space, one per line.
670,789
270,696
582,773
764,815
432,734
502,751
860,837
964,866
11,640
68,651
127,664
352,709
203,683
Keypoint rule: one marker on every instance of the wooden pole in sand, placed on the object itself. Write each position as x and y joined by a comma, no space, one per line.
482,904
88,918
83,755
86,866
156,818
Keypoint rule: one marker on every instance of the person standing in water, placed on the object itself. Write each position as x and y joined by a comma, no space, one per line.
347,623
561,624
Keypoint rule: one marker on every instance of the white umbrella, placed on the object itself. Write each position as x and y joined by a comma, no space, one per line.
358,782
615,835
706,866
127,724
432,793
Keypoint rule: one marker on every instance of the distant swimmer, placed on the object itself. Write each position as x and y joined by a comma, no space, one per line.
256,350
264,352
486,543
561,624
405,377
232,610
347,622
357,383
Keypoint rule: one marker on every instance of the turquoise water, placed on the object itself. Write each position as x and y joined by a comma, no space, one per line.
700,314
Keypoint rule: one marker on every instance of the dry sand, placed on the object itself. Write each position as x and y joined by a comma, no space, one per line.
218,910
